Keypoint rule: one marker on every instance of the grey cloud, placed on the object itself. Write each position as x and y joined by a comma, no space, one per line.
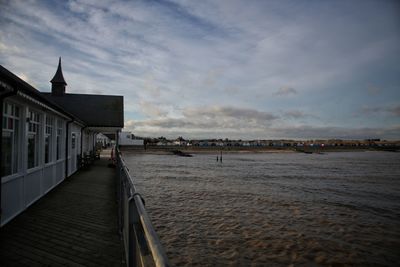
285,90
295,114
165,123
152,109
379,110
312,132
373,90
215,117
221,122
395,110
223,112
371,110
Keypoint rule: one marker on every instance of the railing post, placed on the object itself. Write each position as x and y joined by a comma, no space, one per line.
120,204
132,261
119,195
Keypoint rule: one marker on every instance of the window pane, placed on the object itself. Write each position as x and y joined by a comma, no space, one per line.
31,151
47,147
58,147
34,139
16,146
37,141
59,138
10,123
9,108
73,141
6,152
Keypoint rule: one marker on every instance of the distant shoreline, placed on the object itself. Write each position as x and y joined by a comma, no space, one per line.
160,150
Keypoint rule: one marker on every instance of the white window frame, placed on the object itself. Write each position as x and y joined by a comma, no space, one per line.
48,133
37,137
59,132
9,110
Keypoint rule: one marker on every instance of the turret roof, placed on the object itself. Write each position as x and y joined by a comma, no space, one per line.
58,77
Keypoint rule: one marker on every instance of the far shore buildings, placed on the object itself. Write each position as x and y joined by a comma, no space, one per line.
45,134
283,143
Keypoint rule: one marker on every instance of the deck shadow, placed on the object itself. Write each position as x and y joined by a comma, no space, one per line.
75,225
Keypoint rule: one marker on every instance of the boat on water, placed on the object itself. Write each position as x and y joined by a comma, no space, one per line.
181,154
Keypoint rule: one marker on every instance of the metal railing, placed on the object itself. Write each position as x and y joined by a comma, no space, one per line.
142,245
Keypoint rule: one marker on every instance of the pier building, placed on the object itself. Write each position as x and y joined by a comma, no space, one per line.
45,136
96,217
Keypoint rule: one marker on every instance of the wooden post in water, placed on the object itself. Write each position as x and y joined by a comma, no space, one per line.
220,158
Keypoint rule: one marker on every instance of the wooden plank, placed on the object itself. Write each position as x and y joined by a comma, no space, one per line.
75,224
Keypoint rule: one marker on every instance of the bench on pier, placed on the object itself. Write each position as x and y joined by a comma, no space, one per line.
87,159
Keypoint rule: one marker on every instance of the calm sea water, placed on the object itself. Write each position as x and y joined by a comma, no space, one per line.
274,209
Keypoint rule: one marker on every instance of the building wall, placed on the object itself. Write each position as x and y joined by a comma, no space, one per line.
89,139
125,139
35,161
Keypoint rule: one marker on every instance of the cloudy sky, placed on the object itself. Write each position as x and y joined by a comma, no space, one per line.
236,69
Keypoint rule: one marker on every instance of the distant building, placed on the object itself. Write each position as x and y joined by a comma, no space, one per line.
128,139
103,140
44,134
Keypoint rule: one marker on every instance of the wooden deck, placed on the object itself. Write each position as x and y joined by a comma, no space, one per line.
73,225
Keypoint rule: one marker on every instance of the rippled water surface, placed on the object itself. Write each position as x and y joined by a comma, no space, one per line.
274,209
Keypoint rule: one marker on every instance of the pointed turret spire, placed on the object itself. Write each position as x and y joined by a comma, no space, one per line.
58,77
58,82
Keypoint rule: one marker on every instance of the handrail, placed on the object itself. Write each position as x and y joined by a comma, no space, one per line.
142,245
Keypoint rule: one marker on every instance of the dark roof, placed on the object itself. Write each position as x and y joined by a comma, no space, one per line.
111,136
94,110
58,77
19,84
